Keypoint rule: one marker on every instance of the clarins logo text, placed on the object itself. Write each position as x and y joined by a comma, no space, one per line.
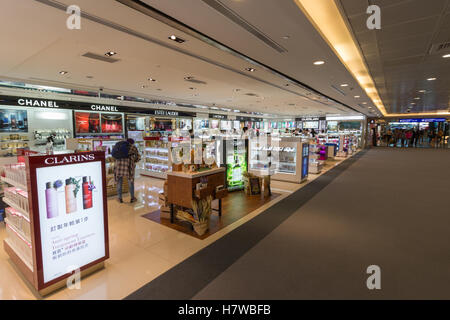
70,159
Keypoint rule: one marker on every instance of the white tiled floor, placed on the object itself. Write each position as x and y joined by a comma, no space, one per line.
140,249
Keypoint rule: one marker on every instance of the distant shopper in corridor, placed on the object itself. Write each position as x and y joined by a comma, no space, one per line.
126,156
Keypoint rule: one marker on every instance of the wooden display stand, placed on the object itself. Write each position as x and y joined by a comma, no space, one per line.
182,188
30,244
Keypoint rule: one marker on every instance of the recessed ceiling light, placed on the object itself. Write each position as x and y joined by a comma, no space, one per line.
192,88
63,72
446,55
176,39
285,37
357,97
431,79
188,78
250,69
318,63
422,91
412,103
416,98
151,79
110,53
344,85
143,87
364,103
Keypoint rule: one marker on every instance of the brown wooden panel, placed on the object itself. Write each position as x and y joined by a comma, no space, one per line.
181,189
234,207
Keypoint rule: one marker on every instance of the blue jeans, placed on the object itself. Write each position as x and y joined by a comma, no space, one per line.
130,187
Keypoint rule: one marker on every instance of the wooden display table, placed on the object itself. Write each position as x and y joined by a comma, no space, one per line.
181,187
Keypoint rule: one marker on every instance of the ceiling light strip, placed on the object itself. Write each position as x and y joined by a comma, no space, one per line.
146,9
328,21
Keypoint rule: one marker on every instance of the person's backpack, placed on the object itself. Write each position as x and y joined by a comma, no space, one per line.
121,150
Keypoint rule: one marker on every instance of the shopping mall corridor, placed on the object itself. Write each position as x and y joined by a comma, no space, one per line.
384,207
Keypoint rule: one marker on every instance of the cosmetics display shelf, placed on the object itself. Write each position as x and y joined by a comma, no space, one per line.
59,136
16,207
282,158
14,183
156,156
47,223
18,224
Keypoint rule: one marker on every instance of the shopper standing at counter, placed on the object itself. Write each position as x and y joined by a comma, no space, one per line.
126,156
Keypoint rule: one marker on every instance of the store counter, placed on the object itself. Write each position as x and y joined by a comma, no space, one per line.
182,186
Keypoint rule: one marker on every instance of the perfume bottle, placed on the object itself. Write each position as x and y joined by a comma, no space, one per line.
51,199
71,200
87,193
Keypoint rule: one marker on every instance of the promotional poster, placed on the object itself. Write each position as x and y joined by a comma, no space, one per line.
87,122
71,216
13,120
112,123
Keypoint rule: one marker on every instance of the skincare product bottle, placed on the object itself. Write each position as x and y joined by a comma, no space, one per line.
51,199
87,193
71,200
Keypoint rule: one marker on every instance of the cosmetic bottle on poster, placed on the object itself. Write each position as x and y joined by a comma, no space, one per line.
51,200
71,200
87,193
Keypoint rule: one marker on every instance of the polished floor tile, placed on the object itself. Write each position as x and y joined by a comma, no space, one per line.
140,249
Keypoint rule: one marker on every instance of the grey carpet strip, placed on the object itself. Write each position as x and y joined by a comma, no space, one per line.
186,279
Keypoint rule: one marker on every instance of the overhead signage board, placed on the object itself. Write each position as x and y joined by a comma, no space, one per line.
218,116
419,120
74,105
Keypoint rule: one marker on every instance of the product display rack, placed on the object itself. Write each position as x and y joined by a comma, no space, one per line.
28,240
105,145
157,160
139,143
59,136
315,166
11,142
284,157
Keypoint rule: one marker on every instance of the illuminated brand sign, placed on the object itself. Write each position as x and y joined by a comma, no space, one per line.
37,103
218,116
70,159
89,106
166,113
423,120
96,107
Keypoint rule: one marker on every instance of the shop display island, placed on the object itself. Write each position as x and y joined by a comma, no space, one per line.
156,157
183,187
285,158
57,221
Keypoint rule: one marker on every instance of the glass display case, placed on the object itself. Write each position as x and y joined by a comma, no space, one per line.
138,137
156,157
314,164
284,158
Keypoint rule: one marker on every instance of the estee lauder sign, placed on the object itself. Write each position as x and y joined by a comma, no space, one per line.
74,105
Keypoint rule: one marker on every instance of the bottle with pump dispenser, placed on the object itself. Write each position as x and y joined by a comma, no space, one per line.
71,200
51,199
